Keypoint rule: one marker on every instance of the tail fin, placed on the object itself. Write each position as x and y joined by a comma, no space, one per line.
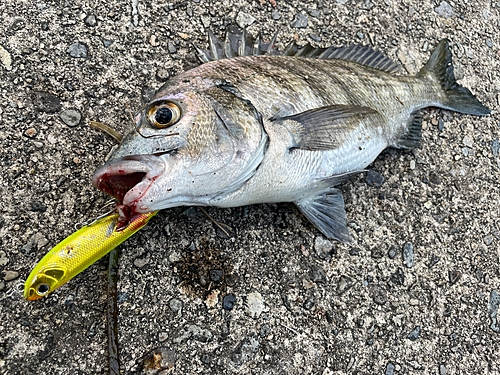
457,98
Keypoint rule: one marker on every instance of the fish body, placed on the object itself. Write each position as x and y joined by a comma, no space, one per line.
264,128
78,251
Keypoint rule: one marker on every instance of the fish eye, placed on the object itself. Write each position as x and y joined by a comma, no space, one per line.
42,289
164,114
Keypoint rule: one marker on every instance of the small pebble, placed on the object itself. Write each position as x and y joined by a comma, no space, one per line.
413,336
398,277
162,336
122,297
77,50
379,296
440,125
367,5
71,117
5,58
489,43
46,102
90,20
140,262
323,247
31,132
309,304
314,13
265,330
171,47
389,370
316,38
162,75
10,275
393,252
444,10
319,275
69,86
255,305
467,141
374,178
488,240
107,42
344,284
442,370
454,276
300,21
175,305
215,275
37,207
228,302
3,259
495,147
245,19
493,305
212,299
433,261
354,251
275,15
408,255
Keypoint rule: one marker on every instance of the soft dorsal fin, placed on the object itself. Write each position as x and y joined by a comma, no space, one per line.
326,128
240,43
365,55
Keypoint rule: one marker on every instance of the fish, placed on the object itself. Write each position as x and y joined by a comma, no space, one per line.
254,125
78,251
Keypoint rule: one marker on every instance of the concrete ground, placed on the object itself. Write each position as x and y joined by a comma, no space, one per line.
303,305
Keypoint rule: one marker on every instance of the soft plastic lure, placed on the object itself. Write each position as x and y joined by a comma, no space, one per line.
78,251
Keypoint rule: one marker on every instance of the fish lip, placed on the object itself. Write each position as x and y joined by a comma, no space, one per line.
129,178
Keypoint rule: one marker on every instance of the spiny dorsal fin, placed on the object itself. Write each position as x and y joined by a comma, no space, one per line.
326,128
236,44
243,44
365,55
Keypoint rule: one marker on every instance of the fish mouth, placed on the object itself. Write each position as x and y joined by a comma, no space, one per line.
128,179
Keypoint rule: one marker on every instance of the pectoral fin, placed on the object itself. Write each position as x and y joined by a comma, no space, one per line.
326,211
326,128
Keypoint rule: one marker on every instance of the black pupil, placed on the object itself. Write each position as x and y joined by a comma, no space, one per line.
43,288
163,116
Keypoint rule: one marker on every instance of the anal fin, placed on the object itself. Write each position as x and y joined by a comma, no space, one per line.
413,134
326,211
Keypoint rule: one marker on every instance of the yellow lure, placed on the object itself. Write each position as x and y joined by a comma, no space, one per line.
77,252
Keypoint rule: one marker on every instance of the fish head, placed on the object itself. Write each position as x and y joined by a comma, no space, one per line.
195,141
44,280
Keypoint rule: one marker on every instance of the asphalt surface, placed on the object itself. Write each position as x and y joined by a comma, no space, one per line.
415,294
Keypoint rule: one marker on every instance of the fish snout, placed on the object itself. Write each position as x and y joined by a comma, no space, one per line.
129,176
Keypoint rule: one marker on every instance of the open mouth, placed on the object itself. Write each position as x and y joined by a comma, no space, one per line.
129,178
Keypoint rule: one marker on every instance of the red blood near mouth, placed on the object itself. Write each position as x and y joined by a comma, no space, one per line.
119,185
128,179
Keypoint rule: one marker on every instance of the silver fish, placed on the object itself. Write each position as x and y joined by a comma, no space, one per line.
255,125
